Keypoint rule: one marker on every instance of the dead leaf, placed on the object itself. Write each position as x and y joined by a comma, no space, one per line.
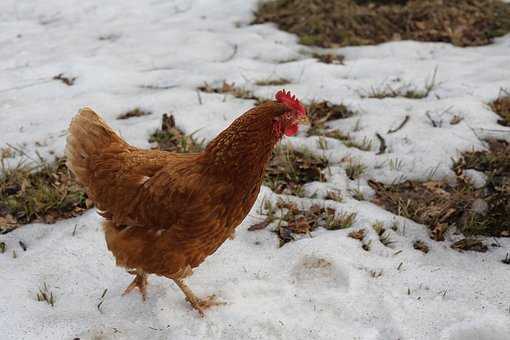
259,226
300,226
438,231
285,235
456,120
421,246
469,244
357,234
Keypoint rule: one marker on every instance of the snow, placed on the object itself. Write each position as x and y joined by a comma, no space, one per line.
321,287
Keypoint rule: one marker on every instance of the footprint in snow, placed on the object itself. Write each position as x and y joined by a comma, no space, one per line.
313,270
477,330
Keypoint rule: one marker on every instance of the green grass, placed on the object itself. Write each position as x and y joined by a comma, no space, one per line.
354,169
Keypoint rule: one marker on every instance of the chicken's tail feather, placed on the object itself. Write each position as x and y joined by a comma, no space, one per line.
88,135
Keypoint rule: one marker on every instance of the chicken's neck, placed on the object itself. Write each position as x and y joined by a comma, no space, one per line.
240,155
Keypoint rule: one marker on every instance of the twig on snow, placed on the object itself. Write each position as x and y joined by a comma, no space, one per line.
382,145
404,122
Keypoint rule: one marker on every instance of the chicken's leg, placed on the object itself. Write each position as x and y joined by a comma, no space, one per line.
199,304
140,282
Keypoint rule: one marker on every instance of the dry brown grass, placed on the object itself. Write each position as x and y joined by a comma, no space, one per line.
435,204
69,81
383,234
231,89
170,138
336,23
407,90
136,112
421,246
322,112
292,220
45,192
329,58
502,107
470,244
360,236
272,82
44,294
289,169
354,169
441,205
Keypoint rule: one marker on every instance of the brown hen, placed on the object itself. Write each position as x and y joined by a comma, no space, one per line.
166,212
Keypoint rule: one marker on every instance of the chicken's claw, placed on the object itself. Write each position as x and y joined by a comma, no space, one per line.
140,282
202,304
199,304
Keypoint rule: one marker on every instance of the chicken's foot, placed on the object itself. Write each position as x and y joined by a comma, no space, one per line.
140,282
199,304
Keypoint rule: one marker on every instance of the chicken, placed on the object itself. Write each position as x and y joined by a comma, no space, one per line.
166,212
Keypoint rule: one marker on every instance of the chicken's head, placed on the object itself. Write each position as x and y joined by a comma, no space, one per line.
287,123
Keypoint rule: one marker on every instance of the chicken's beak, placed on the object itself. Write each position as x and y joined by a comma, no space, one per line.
303,120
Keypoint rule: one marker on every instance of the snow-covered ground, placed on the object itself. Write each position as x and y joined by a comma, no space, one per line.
153,54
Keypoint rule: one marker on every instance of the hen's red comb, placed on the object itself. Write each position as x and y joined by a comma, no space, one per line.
290,100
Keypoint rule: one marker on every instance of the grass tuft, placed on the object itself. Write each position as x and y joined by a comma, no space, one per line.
46,295
469,244
502,107
230,88
290,169
44,192
360,236
340,221
384,235
338,135
272,82
322,112
354,169
329,58
292,221
408,90
364,145
421,246
334,196
170,138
